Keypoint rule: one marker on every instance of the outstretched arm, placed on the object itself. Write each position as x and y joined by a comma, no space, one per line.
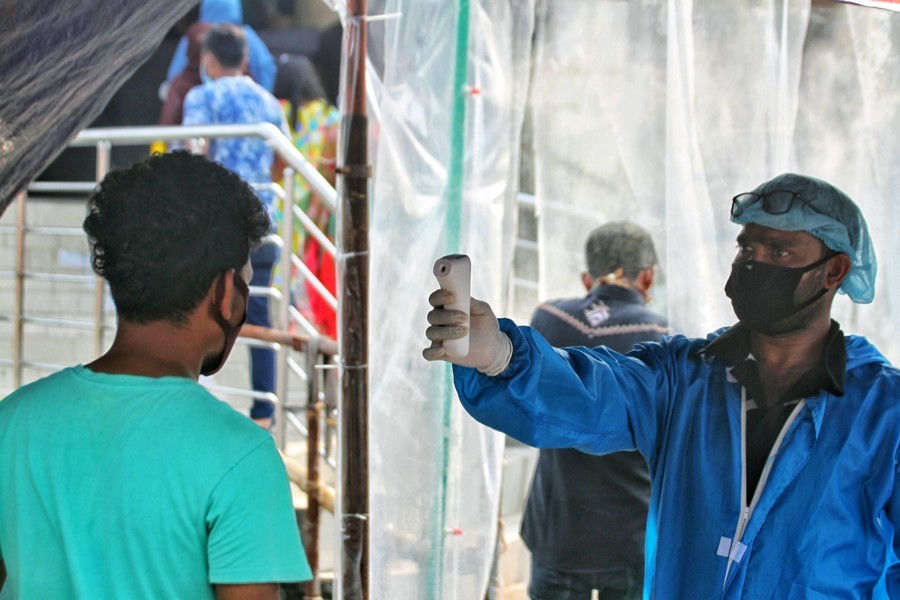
512,380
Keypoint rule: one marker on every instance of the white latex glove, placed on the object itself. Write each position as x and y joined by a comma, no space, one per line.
489,348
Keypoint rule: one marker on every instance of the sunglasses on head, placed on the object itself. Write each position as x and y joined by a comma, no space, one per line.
776,202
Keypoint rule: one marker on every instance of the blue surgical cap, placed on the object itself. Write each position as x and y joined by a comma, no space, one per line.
832,217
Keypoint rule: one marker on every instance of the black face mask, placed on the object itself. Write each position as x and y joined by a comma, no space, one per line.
212,365
763,294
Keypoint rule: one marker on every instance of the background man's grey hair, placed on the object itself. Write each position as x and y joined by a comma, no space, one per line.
620,244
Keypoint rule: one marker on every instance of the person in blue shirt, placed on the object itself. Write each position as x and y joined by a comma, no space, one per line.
773,445
229,97
261,63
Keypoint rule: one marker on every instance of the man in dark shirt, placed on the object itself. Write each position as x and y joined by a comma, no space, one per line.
586,515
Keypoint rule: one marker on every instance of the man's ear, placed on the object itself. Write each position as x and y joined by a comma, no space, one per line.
838,269
644,279
587,280
221,294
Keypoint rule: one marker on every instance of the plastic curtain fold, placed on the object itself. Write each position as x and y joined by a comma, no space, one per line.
661,111
846,133
435,472
658,112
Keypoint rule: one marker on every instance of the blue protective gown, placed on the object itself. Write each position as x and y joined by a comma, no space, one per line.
821,525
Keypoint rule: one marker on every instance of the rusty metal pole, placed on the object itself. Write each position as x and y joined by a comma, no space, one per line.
353,237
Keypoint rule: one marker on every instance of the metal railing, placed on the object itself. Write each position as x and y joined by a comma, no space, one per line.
282,146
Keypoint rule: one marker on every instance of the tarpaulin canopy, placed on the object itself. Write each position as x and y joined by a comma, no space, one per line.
60,62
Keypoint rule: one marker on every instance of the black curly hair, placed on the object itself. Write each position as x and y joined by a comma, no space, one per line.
162,230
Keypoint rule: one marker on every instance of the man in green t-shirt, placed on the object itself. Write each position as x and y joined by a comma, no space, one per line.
124,478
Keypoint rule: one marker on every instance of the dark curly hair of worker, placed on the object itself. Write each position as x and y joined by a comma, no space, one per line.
162,230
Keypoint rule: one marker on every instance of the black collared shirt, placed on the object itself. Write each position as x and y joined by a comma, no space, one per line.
766,416
588,513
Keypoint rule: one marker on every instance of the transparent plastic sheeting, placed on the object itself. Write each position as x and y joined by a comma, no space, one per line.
60,65
657,111
435,473
661,111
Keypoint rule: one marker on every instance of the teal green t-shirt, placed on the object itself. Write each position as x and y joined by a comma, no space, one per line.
118,486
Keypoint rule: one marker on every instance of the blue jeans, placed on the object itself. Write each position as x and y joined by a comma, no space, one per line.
262,361
550,584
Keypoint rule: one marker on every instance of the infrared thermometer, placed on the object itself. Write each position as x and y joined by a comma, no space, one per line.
454,273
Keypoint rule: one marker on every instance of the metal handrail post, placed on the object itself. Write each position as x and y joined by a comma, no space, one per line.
103,162
19,308
287,238
313,477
